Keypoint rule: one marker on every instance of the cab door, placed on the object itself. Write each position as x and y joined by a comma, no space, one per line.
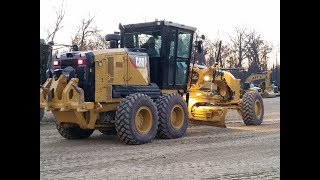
180,43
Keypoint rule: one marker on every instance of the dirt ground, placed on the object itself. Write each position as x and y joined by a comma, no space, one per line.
205,152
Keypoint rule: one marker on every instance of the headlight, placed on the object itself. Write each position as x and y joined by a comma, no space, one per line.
206,78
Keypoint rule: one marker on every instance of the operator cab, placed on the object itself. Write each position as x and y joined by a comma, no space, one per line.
169,47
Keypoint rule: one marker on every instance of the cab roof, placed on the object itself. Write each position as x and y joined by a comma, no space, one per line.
159,23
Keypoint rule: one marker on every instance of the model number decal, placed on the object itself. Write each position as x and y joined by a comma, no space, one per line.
141,61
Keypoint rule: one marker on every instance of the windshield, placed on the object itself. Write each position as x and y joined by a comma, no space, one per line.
151,41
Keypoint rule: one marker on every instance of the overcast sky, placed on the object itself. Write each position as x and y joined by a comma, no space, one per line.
211,17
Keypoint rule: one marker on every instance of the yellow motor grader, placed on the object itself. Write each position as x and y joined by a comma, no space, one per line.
138,90
213,91
135,90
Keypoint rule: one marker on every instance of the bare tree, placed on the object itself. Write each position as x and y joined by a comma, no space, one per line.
226,57
244,46
57,26
96,42
211,49
88,37
258,51
239,45
264,53
231,57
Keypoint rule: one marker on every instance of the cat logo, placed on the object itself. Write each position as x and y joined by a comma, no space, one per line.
141,61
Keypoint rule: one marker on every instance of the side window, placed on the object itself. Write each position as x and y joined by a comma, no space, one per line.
151,41
129,41
183,45
158,45
183,53
181,73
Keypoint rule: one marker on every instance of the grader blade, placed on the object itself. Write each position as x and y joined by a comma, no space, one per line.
208,115
209,123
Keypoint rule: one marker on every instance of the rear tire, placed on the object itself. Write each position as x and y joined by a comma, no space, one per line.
173,116
74,132
252,108
136,119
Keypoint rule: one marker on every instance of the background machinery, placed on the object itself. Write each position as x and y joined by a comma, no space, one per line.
264,78
46,50
45,57
140,89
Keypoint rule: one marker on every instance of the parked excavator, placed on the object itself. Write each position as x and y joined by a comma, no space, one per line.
264,77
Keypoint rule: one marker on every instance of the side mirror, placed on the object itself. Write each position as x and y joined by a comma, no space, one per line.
200,46
203,37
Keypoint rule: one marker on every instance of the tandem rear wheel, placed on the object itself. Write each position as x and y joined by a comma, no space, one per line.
136,119
173,116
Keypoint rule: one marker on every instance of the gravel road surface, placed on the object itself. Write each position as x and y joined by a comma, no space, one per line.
205,152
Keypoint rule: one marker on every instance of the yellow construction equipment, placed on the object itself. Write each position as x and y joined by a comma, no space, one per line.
214,91
135,90
267,91
140,89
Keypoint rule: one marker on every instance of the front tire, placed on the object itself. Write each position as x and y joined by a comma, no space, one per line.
136,119
252,108
173,116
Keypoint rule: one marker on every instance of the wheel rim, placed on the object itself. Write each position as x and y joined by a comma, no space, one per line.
258,108
143,120
177,117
